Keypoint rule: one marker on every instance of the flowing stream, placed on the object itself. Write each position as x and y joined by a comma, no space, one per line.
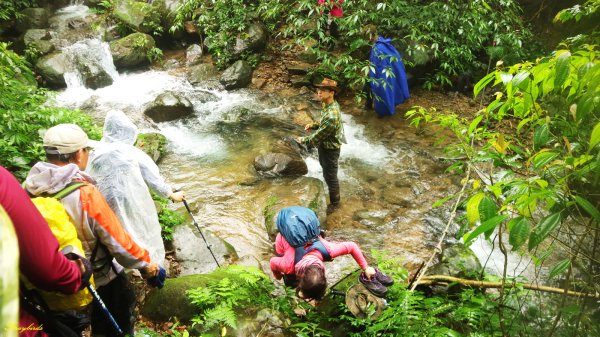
389,173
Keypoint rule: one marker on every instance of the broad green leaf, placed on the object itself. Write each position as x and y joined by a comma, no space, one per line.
519,232
474,124
542,158
486,226
482,83
543,229
487,209
584,106
562,69
541,136
588,207
559,268
473,208
520,77
506,78
595,137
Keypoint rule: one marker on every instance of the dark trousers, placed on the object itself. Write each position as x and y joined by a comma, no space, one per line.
119,297
329,162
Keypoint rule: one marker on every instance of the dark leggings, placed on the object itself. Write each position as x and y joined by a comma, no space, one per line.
119,297
329,162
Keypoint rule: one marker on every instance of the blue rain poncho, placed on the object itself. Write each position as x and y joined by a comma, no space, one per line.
123,174
388,90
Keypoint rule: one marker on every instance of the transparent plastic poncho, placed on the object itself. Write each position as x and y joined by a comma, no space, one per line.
124,175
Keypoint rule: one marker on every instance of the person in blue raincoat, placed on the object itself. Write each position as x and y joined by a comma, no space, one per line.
388,84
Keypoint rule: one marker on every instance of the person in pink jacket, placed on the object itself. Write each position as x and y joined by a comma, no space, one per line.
335,11
308,275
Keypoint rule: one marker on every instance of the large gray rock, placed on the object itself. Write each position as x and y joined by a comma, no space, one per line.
139,15
279,164
40,40
193,254
254,40
93,74
193,55
132,50
52,68
202,72
32,18
238,75
169,106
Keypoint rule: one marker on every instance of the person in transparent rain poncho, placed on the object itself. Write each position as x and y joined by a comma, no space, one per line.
123,174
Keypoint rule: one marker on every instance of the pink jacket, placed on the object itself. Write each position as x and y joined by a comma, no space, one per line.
336,9
284,264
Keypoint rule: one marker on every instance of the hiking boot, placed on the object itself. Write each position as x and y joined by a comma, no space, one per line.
332,208
383,279
374,286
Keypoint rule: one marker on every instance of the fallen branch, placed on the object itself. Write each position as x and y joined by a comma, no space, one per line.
433,279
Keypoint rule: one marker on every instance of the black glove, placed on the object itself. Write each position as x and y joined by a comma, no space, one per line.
88,270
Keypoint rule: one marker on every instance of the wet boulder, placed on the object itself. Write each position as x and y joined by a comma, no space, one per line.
193,55
52,68
279,164
40,40
93,74
32,18
200,73
193,254
457,260
169,106
302,191
139,15
153,144
132,50
254,40
238,75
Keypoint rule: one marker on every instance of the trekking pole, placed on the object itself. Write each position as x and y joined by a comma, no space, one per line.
199,230
105,309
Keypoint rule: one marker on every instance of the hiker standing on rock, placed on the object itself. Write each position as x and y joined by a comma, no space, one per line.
123,174
328,137
102,235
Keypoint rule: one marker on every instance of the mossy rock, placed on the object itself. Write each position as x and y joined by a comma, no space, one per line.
171,301
153,144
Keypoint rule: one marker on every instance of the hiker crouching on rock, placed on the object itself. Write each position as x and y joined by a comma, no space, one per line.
102,235
302,267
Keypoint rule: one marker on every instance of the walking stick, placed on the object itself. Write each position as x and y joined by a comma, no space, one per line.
105,309
199,230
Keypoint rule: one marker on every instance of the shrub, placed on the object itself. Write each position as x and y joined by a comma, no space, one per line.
25,114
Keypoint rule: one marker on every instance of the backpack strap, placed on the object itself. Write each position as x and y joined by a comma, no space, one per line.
315,245
71,187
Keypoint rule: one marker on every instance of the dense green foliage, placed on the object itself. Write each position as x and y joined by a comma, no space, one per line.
25,116
451,38
9,9
534,153
246,288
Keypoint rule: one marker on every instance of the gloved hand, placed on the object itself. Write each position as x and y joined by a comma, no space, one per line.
84,266
177,196
158,281
150,271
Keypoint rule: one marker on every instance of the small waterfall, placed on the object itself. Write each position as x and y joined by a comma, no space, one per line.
89,53
493,260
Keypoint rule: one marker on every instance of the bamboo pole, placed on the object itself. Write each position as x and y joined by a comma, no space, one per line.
433,279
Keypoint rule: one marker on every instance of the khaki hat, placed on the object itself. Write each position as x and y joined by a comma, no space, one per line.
65,139
328,83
